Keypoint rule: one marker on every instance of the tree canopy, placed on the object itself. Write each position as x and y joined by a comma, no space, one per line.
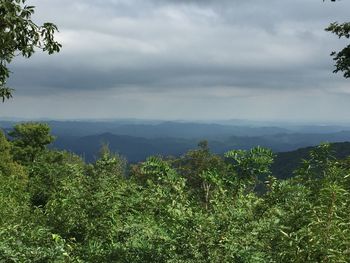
19,35
29,140
200,207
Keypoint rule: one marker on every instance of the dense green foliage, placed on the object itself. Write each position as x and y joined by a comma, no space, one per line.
20,35
29,140
197,208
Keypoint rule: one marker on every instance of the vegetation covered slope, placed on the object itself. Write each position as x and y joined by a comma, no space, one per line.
196,208
286,162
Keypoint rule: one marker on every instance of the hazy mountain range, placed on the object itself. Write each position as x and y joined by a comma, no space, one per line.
136,140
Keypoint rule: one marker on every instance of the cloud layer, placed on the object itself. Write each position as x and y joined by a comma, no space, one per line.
173,59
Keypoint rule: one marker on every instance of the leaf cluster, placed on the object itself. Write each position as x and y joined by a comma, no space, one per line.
19,35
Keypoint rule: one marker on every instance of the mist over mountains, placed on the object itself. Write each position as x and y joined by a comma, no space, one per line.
137,139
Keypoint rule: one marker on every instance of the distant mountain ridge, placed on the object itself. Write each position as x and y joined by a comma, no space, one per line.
286,162
189,130
137,140
136,149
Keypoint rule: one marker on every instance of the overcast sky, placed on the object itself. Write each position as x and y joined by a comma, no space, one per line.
185,59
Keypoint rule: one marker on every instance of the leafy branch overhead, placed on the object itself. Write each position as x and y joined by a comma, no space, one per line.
341,58
19,35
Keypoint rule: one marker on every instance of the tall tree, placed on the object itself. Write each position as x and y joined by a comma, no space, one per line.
19,35
29,140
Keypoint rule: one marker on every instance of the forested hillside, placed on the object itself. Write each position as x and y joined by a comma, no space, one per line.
137,139
137,149
286,162
199,207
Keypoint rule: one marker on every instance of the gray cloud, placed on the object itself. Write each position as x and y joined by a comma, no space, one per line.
148,50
